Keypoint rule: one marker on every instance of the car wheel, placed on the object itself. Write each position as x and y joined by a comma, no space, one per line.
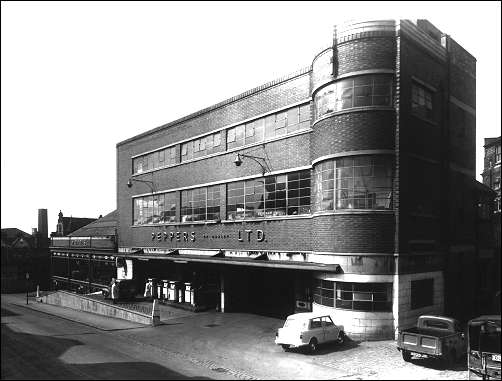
285,347
406,356
341,337
313,345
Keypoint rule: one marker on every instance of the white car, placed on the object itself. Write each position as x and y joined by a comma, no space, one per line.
308,329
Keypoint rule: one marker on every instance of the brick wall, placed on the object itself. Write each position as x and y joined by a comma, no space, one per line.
357,233
365,54
352,131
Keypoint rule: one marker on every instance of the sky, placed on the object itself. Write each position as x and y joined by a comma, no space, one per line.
79,77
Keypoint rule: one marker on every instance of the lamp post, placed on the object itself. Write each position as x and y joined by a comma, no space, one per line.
27,281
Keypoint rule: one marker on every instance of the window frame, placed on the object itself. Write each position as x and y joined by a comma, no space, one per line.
364,297
420,92
335,96
269,195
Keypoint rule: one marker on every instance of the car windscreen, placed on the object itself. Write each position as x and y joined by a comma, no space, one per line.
484,338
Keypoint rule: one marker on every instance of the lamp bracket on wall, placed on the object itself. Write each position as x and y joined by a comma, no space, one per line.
150,183
263,162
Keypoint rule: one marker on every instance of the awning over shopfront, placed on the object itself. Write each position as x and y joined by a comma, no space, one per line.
219,257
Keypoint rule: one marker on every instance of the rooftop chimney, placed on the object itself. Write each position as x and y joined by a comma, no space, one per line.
42,227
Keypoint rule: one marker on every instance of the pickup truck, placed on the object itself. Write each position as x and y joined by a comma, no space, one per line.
434,336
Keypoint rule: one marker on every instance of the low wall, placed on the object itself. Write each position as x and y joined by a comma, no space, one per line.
82,303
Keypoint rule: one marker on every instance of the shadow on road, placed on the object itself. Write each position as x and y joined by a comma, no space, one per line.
324,349
8,313
28,356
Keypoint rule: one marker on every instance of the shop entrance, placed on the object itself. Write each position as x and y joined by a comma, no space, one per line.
262,291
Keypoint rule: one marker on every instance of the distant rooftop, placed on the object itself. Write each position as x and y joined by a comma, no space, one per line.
104,226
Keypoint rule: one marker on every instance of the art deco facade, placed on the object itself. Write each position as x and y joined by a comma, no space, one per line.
357,199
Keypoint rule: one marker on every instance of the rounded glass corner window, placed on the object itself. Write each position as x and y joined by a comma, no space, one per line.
353,183
359,91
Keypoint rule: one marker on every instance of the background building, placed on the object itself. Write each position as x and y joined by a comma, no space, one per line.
23,253
491,178
67,225
84,261
348,186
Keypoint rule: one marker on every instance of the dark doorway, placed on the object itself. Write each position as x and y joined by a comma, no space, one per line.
263,291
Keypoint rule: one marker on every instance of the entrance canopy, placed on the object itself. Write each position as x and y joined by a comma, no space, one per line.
260,260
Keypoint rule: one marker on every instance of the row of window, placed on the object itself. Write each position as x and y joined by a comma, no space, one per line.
282,123
95,271
354,296
356,182
360,91
286,122
154,160
370,296
279,195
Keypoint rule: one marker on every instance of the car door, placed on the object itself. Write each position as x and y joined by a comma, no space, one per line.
316,329
330,329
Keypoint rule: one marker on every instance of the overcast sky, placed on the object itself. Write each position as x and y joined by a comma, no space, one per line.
77,78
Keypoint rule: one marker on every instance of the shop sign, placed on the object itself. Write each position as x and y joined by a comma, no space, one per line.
174,236
79,242
247,235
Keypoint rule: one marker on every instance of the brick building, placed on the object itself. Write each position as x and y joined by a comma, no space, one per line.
491,171
491,178
347,186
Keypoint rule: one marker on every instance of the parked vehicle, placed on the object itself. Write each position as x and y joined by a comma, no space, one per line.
308,329
434,336
127,289
483,351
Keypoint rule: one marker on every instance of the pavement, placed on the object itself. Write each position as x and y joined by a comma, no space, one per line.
241,346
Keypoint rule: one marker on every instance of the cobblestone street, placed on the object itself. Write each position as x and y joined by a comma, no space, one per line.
216,345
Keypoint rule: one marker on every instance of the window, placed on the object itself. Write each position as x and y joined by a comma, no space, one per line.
159,208
280,195
102,271
421,293
421,101
60,266
168,208
364,296
204,146
361,91
324,292
497,154
154,160
200,204
355,182
282,123
315,323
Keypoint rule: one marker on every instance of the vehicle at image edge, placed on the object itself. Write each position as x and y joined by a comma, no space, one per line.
126,289
308,329
483,351
439,337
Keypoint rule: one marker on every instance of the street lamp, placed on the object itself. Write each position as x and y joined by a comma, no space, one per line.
262,161
151,184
